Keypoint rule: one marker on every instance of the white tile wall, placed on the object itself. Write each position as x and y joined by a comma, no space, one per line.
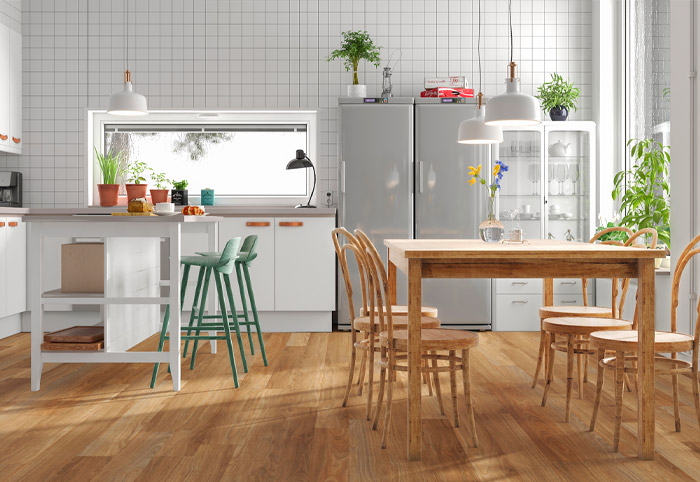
262,54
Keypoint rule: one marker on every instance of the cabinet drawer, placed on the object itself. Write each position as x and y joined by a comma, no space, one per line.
517,312
531,286
571,286
569,300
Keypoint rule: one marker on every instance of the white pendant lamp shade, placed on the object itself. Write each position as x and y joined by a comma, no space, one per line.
474,131
127,102
513,108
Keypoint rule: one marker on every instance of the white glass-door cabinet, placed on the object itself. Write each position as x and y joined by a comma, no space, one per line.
549,192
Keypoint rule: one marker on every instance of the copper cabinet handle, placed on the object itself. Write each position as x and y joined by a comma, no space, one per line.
16,140
12,224
291,223
2,224
262,224
3,137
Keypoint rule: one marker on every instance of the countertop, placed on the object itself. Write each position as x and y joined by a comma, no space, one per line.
225,211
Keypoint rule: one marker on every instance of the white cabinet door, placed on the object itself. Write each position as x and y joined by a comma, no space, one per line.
15,90
3,267
518,312
262,269
4,88
16,265
304,264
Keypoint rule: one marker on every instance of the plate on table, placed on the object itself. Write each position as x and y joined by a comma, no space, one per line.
165,214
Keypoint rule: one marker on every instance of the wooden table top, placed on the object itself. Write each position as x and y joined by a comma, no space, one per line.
531,249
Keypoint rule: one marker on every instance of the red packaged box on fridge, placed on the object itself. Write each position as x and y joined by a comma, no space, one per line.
447,92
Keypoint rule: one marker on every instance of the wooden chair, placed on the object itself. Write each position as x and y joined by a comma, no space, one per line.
363,325
438,345
578,329
578,311
625,344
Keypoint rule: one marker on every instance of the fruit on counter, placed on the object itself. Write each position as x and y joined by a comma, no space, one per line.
139,205
192,211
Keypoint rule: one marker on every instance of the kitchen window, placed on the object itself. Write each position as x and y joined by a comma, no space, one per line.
240,155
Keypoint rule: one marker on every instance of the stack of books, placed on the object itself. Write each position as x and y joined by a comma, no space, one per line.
447,87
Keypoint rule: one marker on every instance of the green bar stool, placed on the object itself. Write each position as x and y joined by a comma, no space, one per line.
218,265
245,256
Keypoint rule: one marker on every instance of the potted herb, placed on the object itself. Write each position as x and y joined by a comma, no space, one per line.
134,188
356,46
179,193
160,193
557,97
109,189
643,191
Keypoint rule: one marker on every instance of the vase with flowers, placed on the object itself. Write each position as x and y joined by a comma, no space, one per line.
491,230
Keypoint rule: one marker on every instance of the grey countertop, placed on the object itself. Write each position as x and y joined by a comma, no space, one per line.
225,211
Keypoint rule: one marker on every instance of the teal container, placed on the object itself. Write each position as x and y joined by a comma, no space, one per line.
207,197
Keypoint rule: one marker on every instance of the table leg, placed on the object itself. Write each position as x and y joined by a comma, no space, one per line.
36,260
212,302
392,280
548,285
414,358
175,309
645,385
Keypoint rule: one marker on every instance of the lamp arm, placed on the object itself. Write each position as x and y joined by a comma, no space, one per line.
314,188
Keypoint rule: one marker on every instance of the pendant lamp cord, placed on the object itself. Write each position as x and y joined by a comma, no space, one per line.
127,35
510,27
478,45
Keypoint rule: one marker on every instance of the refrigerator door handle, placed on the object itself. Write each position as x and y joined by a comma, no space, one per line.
420,177
342,176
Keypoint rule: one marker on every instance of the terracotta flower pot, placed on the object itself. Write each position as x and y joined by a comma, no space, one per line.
159,196
134,191
109,194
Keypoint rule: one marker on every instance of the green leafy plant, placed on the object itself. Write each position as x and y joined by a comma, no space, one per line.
558,93
356,46
180,185
643,191
109,166
159,179
135,172
614,235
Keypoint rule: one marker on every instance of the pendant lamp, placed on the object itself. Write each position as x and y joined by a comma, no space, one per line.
474,131
513,108
127,102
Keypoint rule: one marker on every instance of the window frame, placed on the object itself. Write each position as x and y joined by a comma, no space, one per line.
98,119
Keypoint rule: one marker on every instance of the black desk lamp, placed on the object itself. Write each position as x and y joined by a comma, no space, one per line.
303,162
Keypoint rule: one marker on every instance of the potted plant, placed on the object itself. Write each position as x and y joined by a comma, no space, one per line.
356,46
109,189
643,191
557,97
134,188
160,194
179,193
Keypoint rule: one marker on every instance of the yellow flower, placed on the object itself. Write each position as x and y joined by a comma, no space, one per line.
472,181
496,169
474,171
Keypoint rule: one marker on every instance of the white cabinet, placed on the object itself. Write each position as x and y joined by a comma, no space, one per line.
13,266
304,264
10,90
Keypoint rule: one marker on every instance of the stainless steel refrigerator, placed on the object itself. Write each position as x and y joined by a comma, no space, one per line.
403,175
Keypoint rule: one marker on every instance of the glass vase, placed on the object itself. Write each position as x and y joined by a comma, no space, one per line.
491,230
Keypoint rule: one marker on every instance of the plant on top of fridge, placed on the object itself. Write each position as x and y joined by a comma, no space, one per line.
356,46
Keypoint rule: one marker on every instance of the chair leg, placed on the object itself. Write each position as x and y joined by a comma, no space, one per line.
244,305
436,379
380,398
585,364
363,368
598,387
540,356
351,373
453,386
161,342
569,374
370,378
579,371
695,378
426,376
387,415
234,319
197,292
256,318
551,338
676,408
467,381
619,391
227,328
200,315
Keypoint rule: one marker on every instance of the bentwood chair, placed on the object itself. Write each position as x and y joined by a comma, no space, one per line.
439,345
577,331
578,311
625,346
361,325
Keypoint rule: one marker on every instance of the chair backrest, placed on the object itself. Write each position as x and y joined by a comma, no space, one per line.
247,252
358,251
633,241
368,245
595,238
228,256
688,253
379,294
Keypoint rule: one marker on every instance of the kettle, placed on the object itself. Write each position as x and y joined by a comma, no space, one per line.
559,149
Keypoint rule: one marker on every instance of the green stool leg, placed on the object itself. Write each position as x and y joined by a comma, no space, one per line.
227,328
255,313
234,318
245,307
197,291
160,344
205,290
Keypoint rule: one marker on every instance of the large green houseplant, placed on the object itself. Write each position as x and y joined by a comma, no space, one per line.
557,97
643,191
356,46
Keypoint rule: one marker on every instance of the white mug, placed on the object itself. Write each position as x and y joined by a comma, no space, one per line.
526,208
554,209
165,207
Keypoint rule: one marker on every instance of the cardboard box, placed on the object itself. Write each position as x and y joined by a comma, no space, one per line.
83,268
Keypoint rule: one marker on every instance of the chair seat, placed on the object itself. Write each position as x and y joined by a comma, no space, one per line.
402,310
571,311
204,261
400,322
664,341
435,339
583,326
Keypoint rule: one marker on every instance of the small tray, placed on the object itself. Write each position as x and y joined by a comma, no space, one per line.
133,214
98,345
76,334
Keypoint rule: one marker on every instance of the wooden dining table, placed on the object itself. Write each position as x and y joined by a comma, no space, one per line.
545,259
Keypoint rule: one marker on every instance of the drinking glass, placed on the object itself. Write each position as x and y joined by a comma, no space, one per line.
574,175
562,175
550,177
533,177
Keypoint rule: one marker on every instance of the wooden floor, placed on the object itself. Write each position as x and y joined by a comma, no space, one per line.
102,422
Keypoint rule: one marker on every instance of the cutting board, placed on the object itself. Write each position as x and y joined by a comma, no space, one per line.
98,345
133,214
76,334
